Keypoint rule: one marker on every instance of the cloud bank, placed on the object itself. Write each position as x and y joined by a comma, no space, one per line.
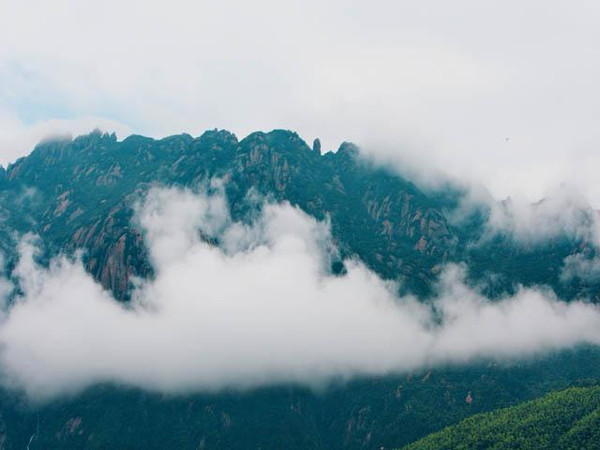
242,305
562,213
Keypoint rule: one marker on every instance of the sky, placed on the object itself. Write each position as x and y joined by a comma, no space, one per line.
502,93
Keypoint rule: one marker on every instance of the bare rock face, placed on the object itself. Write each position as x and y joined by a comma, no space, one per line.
78,194
469,398
317,146
115,273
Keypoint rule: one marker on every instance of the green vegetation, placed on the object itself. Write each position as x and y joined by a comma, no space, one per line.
362,414
78,194
568,420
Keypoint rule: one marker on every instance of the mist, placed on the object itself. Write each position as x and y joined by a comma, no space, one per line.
260,308
563,213
581,266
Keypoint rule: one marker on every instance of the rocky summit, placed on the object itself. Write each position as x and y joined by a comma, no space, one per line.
79,193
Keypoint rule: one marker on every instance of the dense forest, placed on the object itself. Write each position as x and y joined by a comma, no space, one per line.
78,195
564,420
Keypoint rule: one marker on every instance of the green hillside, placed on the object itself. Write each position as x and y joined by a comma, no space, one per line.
568,419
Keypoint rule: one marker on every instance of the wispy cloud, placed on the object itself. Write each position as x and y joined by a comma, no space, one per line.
562,213
581,266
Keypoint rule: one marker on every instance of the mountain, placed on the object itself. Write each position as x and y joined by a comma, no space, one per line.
79,193
364,414
568,419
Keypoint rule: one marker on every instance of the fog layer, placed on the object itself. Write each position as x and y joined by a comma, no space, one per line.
259,308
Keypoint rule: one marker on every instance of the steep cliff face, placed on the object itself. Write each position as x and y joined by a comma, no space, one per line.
78,195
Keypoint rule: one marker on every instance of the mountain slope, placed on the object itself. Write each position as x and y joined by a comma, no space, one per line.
363,414
78,194
568,419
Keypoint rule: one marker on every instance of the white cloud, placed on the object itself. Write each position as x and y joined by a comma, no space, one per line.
563,213
581,266
261,310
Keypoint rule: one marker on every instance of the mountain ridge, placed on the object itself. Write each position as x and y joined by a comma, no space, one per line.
279,164
78,194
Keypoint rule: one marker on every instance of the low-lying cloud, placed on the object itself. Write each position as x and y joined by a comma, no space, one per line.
563,213
242,305
581,266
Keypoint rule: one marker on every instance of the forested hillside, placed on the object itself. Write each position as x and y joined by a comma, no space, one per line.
78,194
568,419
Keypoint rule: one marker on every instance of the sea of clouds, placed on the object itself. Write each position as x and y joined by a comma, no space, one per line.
242,305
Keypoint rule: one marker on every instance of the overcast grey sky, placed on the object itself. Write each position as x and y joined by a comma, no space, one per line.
499,92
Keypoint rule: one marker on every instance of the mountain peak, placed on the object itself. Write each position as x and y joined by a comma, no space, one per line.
348,149
218,136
